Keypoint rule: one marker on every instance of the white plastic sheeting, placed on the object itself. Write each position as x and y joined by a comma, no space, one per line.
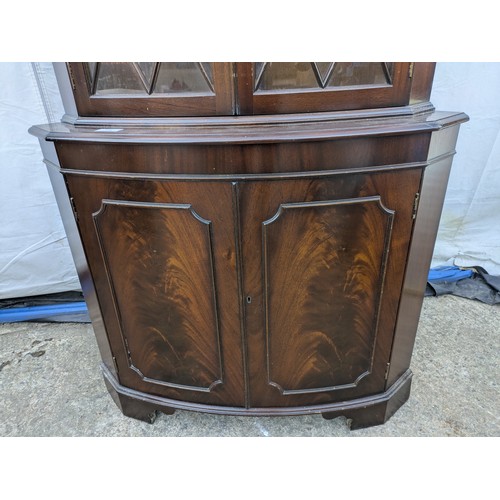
34,253
469,232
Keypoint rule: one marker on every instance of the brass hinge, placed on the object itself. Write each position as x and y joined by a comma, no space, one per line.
386,376
71,77
410,70
116,365
415,205
126,346
75,213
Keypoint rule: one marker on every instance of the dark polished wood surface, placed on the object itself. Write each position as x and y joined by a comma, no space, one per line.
423,74
164,260
290,268
163,252
430,205
361,412
231,160
307,101
236,292
257,265
232,91
307,127
322,279
220,101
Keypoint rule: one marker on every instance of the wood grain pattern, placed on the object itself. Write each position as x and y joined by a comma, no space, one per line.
163,252
292,314
324,267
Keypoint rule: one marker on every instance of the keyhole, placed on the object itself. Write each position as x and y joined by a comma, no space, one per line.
249,299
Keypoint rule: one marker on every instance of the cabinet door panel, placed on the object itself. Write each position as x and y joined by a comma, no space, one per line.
321,280
147,89
324,262
163,258
163,251
305,87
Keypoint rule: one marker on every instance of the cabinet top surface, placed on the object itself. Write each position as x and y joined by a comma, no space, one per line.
241,130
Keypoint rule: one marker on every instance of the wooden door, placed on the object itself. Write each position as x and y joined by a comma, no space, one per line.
163,89
287,87
162,255
324,263
152,89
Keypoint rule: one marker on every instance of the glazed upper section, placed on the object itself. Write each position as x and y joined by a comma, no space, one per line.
194,89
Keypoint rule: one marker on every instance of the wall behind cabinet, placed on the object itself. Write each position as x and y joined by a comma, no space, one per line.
471,215
34,254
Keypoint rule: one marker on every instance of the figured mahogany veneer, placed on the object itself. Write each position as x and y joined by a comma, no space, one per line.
256,266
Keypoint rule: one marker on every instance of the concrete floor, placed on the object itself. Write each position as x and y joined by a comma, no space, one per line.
51,385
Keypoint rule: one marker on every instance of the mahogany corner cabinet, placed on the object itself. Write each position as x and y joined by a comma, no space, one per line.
252,238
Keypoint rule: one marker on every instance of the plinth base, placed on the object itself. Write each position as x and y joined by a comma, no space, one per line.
362,412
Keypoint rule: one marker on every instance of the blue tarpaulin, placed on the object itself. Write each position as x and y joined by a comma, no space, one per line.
448,273
56,307
474,283
14,314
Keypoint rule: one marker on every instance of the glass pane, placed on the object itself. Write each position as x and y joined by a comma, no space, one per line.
281,76
118,78
359,73
147,69
91,71
324,71
207,68
180,77
390,68
258,67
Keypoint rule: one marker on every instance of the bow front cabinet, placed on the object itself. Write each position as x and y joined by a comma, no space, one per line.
252,238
